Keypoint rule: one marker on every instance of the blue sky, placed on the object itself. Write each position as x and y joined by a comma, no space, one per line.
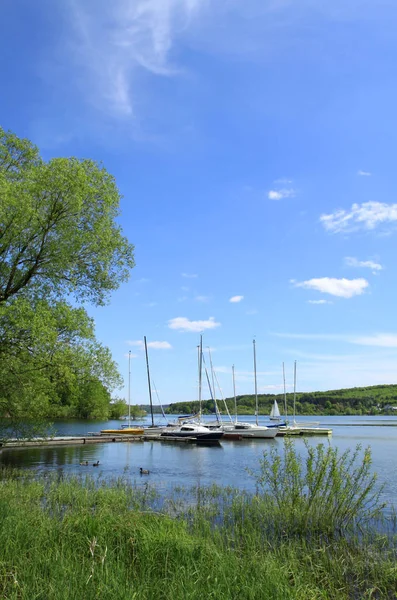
254,145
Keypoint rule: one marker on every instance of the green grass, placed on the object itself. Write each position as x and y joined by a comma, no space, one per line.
77,538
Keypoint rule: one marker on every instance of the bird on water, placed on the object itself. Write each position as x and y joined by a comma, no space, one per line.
144,471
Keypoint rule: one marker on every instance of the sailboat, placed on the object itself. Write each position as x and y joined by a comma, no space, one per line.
301,428
126,429
250,430
275,412
152,429
195,430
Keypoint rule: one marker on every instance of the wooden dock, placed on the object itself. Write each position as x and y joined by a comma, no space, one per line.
303,431
98,438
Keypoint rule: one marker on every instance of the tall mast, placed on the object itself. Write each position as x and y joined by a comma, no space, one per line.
256,389
234,392
129,388
285,394
200,372
148,380
294,389
213,381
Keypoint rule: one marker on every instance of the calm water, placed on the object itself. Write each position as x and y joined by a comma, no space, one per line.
188,465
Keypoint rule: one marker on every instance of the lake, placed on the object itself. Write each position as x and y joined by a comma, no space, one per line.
189,465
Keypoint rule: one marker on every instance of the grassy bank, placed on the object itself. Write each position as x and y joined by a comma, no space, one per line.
79,538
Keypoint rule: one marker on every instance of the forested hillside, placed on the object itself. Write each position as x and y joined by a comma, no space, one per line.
372,400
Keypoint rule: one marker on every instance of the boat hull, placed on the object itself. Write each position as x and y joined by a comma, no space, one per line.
252,432
211,436
124,431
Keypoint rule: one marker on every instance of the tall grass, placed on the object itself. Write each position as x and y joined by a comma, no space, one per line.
324,491
76,538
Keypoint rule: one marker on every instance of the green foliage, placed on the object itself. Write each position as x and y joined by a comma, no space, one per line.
58,226
327,492
118,408
59,240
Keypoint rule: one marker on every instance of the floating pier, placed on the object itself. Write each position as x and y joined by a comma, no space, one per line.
303,431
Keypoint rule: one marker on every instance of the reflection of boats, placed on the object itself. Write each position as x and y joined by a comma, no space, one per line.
192,430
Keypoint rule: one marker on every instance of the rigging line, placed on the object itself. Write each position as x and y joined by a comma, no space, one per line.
161,406
222,397
217,413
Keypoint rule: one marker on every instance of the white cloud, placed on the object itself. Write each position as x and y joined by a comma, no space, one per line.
183,324
189,275
319,302
280,194
154,345
364,173
235,299
202,299
361,216
114,40
343,288
367,264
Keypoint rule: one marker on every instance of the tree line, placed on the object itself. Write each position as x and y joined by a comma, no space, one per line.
370,400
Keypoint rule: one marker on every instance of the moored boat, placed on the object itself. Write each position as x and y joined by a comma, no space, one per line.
191,430
123,431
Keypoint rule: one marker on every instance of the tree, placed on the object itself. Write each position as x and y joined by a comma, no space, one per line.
58,233
59,241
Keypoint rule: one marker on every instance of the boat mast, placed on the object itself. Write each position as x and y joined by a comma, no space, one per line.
285,394
234,392
256,389
129,388
200,372
148,380
294,389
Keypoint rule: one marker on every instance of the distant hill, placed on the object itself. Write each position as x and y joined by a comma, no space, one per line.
373,400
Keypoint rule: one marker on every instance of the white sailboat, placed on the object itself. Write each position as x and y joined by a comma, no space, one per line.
275,412
250,430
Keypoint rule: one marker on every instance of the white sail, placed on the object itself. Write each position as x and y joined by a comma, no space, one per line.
275,412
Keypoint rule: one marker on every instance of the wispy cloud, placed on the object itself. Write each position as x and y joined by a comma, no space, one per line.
184,324
280,194
319,302
235,299
361,216
364,173
154,345
343,288
366,264
189,275
384,340
114,40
